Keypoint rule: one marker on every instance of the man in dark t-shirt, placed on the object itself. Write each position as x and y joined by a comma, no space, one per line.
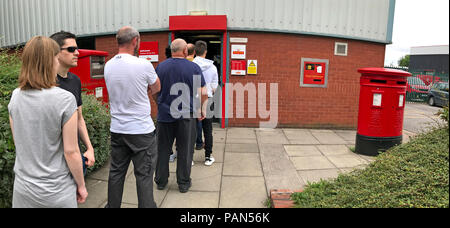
68,58
72,84
182,90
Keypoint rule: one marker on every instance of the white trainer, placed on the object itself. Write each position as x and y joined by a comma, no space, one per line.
209,161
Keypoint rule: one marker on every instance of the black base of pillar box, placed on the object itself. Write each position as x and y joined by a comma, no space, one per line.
372,146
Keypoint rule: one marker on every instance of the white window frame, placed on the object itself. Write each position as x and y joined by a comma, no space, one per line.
336,48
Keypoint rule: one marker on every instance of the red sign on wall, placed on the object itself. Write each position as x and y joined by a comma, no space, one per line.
314,73
149,51
238,67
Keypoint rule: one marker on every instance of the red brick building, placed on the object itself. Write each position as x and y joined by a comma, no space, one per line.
279,61
310,49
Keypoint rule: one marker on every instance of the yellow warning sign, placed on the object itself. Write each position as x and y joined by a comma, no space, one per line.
252,67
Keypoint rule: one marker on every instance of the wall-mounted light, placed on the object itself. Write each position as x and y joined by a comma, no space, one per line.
198,13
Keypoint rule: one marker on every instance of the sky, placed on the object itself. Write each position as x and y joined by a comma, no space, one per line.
417,23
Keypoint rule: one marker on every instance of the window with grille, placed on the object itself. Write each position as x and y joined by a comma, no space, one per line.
341,49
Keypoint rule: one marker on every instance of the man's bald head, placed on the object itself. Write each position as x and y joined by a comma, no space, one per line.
178,46
125,35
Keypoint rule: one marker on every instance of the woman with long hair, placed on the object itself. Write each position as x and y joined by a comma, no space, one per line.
48,167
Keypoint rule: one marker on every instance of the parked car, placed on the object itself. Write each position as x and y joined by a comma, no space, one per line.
438,94
416,89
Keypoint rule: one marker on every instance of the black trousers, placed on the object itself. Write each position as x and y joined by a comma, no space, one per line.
185,132
208,133
208,129
142,150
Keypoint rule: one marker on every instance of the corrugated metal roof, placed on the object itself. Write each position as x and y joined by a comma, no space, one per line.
430,50
356,19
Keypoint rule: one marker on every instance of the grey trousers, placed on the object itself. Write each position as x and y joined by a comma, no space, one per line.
142,150
185,132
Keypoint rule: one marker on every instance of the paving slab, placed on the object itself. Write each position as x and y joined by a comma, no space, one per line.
243,192
313,176
242,140
347,135
97,194
271,136
279,172
218,153
302,150
300,136
347,161
130,191
328,137
205,178
191,199
312,162
242,148
329,150
102,173
241,133
219,136
242,164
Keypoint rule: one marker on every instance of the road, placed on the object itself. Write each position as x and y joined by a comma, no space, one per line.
420,117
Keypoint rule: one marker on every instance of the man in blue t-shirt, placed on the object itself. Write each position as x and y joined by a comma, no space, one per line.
182,91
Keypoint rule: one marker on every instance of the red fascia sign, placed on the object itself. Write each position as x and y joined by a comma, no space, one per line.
194,23
149,51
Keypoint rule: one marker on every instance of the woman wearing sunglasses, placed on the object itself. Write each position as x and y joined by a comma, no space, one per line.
43,118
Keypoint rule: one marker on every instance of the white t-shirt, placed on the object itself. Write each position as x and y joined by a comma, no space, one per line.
127,79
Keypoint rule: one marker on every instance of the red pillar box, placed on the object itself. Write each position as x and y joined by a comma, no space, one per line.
90,70
381,107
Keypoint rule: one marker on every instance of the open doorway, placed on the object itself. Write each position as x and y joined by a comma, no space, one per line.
214,41
215,47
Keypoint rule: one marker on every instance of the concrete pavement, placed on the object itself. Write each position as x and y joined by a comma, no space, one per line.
249,163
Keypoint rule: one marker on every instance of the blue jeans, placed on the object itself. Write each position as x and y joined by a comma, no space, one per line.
199,141
83,159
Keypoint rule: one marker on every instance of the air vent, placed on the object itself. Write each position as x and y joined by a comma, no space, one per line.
340,49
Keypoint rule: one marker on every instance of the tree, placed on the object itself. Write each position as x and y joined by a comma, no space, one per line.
404,61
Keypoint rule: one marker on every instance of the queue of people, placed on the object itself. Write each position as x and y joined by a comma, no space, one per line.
49,167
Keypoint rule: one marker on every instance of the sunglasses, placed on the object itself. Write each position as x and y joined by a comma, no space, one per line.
70,49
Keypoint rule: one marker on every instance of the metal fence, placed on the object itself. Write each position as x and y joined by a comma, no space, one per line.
420,83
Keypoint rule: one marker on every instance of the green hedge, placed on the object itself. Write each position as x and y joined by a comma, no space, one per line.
414,175
97,122
96,116
9,71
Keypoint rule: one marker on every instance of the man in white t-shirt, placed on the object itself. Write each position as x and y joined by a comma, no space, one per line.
131,82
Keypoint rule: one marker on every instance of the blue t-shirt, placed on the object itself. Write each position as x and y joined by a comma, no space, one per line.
178,99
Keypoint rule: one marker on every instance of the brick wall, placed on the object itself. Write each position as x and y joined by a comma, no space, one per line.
279,59
109,44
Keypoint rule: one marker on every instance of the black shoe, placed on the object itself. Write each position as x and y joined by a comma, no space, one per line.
185,189
199,147
161,187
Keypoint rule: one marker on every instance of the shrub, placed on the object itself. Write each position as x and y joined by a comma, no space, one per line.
96,116
443,114
9,71
415,174
97,120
